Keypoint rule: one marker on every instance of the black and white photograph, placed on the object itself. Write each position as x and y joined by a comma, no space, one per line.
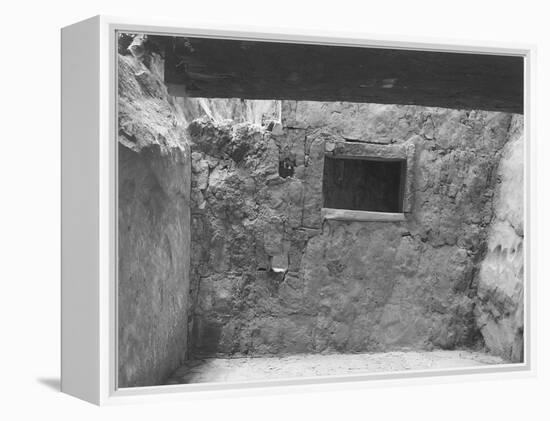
292,210
275,211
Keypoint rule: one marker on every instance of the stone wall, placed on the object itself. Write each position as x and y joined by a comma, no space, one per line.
500,281
268,275
225,250
153,226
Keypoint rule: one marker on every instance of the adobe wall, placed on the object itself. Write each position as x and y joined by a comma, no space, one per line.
153,227
343,286
499,309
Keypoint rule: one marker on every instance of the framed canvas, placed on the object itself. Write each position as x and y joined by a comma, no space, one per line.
245,211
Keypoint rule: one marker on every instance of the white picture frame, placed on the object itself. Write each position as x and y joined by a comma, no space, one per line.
89,206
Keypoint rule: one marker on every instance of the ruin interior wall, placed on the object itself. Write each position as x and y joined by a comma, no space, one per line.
154,173
200,234
499,310
340,285
154,181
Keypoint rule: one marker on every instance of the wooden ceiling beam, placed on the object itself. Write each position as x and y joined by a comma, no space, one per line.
221,68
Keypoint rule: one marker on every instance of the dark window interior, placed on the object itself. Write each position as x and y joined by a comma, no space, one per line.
363,184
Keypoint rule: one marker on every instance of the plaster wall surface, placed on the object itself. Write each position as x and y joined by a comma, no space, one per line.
500,279
154,175
270,276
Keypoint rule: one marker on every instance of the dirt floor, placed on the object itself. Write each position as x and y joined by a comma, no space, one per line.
311,365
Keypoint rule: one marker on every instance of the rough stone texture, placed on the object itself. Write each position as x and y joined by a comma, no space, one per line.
239,110
500,281
153,226
270,276
385,123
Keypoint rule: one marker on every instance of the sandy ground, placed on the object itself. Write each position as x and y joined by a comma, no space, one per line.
311,365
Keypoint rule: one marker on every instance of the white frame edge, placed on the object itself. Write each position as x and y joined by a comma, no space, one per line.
80,243
89,323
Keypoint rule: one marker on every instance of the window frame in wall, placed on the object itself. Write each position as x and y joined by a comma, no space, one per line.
403,152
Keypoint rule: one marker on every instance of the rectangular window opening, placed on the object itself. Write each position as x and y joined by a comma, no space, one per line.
364,184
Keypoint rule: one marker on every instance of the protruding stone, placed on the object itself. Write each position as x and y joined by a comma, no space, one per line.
313,185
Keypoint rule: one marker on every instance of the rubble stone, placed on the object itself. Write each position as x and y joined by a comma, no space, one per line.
348,286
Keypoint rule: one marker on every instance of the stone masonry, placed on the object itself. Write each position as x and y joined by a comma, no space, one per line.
270,276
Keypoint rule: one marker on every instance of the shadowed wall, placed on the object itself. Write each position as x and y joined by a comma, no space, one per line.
153,228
